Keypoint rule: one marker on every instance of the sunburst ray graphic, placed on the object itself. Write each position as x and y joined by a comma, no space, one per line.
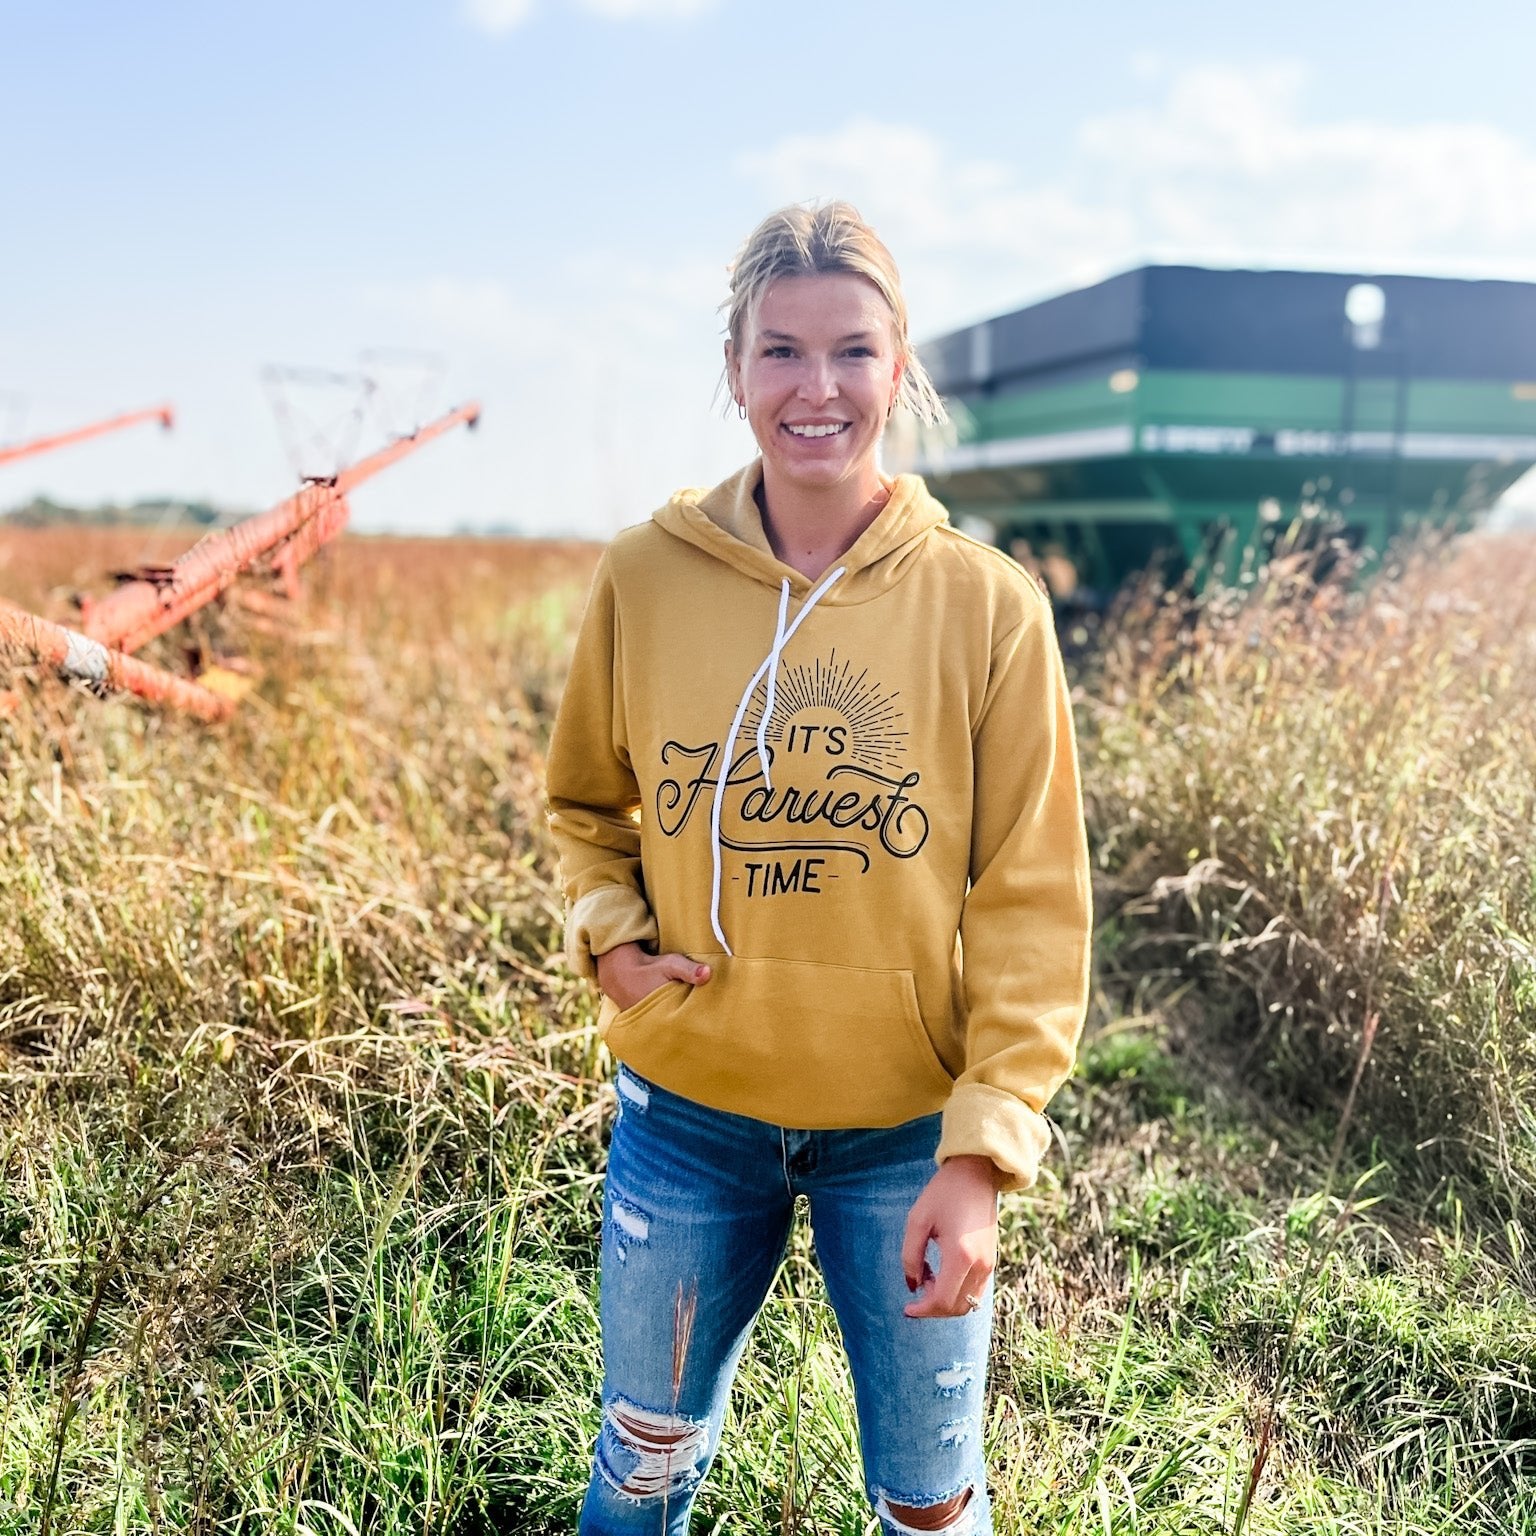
875,738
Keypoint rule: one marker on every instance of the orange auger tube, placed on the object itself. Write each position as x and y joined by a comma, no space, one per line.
77,655
161,413
291,532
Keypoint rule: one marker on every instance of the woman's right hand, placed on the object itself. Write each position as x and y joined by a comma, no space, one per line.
629,973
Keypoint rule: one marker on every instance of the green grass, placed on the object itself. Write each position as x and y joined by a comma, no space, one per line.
409,1343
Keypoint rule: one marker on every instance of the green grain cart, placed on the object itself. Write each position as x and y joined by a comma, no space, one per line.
1186,416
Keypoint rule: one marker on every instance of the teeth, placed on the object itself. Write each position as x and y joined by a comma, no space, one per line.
818,431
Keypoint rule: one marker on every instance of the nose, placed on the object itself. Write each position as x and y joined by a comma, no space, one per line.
819,381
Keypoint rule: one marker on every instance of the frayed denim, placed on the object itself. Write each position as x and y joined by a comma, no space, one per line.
697,1209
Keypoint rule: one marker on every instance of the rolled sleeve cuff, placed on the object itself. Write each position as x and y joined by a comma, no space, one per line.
980,1120
602,920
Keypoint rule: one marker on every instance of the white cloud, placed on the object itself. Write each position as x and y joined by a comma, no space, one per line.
1227,166
497,16
969,233
1241,164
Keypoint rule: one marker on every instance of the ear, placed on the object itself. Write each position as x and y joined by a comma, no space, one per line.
732,382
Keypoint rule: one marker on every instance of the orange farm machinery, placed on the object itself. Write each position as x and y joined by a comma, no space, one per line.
161,413
156,598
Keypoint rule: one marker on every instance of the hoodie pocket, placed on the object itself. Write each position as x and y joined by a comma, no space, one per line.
792,1042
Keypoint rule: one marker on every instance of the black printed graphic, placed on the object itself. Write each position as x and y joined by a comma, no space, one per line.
837,794
867,726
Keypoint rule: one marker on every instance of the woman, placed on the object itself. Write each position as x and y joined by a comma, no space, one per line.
814,789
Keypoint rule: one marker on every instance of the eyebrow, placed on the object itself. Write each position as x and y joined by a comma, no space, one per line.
851,336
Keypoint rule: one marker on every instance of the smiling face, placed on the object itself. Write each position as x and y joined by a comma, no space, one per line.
817,370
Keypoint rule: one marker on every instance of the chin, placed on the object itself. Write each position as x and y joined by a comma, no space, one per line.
821,473
815,474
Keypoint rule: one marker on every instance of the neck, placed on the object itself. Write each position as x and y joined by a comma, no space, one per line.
809,529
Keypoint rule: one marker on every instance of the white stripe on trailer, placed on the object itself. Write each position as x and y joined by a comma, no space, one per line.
1226,441
1043,448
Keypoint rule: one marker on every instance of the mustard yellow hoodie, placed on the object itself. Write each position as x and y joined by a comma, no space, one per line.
856,799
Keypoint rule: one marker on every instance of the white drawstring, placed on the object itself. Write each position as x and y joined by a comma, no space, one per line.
779,637
770,665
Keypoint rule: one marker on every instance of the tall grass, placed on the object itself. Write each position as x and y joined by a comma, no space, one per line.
301,1130
1320,800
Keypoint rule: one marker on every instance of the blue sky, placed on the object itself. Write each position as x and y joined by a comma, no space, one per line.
545,194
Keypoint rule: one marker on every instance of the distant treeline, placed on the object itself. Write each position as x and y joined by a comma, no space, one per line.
41,512
166,512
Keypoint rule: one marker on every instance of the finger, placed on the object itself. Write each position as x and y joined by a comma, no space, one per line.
941,1300
914,1245
936,1304
949,1300
683,968
974,1284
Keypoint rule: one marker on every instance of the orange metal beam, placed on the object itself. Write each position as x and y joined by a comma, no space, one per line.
402,447
77,655
306,543
161,413
141,609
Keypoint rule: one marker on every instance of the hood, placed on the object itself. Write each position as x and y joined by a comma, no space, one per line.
725,522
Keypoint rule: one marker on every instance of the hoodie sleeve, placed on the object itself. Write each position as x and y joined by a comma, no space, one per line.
593,797
1027,923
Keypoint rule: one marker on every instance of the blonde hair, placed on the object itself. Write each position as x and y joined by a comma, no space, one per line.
806,239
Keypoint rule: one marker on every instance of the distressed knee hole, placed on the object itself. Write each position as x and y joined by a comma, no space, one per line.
651,1453
946,1515
955,1432
954,1379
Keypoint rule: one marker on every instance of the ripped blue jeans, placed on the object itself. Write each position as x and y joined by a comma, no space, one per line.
697,1209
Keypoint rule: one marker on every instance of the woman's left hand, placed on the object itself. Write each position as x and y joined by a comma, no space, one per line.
958,1210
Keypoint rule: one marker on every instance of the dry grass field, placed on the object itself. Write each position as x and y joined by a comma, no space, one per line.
301,1128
